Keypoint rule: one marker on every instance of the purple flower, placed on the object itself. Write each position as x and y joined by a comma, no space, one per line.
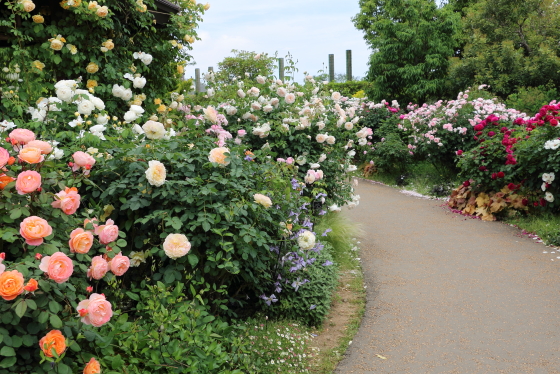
313,307
328,263
326,232
269,299
295,184
322,212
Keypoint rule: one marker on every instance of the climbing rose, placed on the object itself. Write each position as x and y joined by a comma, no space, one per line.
67,200
95,311
34,229
58,267
11,284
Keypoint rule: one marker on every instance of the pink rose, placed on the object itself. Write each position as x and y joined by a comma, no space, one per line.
80,241
107,233
290,160
82,159
67,200
22,136
241,133
4,157
27,182
43,146
34,229
58,267
119,264
95,311
99,267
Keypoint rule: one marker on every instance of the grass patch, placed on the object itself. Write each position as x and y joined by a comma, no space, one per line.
546,226
341,236
422,177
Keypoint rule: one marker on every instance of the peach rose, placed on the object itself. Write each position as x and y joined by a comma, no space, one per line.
176,245
22,136
53,339
4,157
107,233
31,286
58,267
67,200
34,229
31,155
218,155
99,267
5,180
82,159
11,284
27,182
95,311
102,11
119,264
45,147
80,241
92,367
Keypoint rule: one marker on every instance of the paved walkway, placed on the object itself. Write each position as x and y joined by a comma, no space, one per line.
448,294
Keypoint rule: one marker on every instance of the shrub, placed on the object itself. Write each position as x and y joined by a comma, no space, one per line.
349,88
531,99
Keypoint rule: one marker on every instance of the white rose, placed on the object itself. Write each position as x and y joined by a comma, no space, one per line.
65,93
137,129
156,173
137,109
176,246
127,94
321,138
102,119
139,82
331,139
85,107
306,240
154,130
322,158
241,94
130,116
146,58
99,104
290,98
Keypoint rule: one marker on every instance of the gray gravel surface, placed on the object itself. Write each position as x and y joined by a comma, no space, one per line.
450,294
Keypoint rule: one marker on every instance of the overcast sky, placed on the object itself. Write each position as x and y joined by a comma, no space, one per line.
309,29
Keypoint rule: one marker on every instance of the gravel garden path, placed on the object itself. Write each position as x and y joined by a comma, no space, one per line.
450,294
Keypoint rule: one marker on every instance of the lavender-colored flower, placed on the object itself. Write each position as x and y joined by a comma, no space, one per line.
326,232
328,263
322,212
313,307
269,299
295,184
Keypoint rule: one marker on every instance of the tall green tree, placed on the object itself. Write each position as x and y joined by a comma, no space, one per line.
412,42
509,44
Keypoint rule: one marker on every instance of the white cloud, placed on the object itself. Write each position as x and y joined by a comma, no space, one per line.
309,30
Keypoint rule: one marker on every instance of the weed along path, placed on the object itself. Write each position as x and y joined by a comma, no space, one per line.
449,294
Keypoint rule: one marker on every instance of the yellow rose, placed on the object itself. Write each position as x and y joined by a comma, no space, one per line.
189,39
37,18
108,44
180,69
73,49
38,64
56,44
162,108
157,101
92,5
206,6
92,68
91,83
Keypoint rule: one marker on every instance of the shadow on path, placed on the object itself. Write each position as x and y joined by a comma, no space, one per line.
449,294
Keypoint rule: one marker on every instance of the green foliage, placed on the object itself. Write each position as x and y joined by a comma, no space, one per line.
170,333
307,298
349,88
245,64
340,238
412,42
530,99
508,44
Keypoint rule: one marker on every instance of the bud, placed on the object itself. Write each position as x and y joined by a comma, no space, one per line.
2,256
89,289
11,160
38,256
83,312
31,286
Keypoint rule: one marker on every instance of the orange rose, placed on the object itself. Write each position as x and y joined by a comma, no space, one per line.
45,147
53,339
11,284
80,241
92,367
31,155
31,286
5,180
